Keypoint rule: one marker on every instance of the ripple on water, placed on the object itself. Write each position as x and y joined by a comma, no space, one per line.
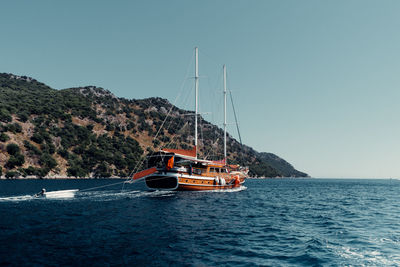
283,222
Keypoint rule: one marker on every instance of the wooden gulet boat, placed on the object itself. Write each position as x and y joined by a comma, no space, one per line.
177,169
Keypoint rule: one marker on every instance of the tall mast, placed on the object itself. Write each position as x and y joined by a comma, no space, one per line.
196,86
225,114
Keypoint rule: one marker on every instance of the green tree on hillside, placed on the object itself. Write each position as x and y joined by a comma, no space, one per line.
5,115
15,160
4,137
47,161
13,149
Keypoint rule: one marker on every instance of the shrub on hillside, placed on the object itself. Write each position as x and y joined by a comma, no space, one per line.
63,153
41,172
15,160
49,148
33,150
5,115
11,174
37,138
4,137
76,171
102,171
30,170
47,161
23,117
12,149
13,128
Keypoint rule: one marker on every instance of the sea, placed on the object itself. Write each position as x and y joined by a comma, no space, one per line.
270,222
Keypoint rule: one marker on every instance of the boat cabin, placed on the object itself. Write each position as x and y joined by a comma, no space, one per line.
172,162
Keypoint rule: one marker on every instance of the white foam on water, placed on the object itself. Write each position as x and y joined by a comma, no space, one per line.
57,195
61,196
236,189
365,257
106,195
16,198
114,195
163,193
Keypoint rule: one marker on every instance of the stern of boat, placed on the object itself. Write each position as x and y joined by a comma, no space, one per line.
162,181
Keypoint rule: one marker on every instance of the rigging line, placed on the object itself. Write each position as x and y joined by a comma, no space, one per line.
185,101
217,99
213,94
179,94
212,149
201,130
143,158
173,136
97,187
152,154
175,101
140,162
234,113
176,134
237,125
185,107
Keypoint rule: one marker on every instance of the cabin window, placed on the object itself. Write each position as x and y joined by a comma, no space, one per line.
197,171
212,169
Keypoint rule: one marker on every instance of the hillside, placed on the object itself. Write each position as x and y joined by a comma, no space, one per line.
89,132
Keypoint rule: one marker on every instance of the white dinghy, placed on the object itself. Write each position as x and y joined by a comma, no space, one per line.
57,194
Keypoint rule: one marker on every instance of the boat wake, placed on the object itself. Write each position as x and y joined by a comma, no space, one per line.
115,195
57,195
236,189
108,195
16,198
93,195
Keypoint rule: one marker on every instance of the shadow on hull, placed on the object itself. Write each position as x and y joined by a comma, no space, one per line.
161,182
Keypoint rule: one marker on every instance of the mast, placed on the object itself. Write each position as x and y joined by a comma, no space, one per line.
225,114
196,85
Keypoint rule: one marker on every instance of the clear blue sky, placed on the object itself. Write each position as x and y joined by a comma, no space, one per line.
317,82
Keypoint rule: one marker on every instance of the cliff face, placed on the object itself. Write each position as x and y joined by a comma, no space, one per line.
89,132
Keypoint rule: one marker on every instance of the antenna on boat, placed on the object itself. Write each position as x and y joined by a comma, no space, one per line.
196,85
224,67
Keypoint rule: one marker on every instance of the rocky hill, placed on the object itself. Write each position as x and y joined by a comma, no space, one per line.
89,132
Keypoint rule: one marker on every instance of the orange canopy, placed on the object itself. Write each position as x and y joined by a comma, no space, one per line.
189,153
144,173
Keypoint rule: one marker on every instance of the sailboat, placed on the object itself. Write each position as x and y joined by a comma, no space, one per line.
178,169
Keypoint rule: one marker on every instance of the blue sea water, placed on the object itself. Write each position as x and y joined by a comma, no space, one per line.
282,222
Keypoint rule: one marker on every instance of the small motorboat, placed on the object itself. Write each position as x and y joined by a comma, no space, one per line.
57,194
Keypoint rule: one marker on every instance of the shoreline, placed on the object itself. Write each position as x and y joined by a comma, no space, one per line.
63,178
115,178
